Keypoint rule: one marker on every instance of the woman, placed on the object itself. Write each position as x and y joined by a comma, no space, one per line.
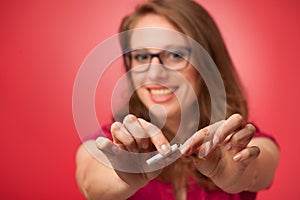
228,159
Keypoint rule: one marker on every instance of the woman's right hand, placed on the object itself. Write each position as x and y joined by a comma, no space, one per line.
133,135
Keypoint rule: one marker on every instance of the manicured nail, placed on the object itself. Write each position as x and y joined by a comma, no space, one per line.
237,157
185,147
165,149
228,146
100,142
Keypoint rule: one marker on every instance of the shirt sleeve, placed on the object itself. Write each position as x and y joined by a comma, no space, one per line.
103,132
265,135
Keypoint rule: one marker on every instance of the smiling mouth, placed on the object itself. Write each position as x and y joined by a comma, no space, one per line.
161,94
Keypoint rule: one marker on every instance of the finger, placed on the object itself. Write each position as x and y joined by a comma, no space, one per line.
247,155
122,137
165,160
106,146
135,128
120,159
156,136
193,143
208,144
205,149
233,123
241,139
215,126
200,142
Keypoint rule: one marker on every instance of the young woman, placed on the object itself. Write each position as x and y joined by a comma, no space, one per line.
225,159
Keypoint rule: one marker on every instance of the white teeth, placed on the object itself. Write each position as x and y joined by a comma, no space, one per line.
160,92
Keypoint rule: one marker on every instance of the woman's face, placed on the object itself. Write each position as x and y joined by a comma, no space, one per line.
158,87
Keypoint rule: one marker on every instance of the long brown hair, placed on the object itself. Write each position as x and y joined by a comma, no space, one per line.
193,20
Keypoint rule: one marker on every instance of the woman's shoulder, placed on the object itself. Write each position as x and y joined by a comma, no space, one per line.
104,131
261,134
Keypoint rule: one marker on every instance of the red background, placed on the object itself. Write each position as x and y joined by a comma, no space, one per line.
43,44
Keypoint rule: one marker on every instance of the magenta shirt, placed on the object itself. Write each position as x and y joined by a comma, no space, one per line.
157,190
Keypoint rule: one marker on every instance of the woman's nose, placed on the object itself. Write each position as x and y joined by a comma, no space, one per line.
156,70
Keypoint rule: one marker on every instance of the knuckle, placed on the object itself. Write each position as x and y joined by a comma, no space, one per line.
202,132
205,131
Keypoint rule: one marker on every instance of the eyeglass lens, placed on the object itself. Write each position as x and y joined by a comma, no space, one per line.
173,59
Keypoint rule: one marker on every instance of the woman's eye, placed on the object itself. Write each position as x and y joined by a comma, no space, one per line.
175,55
141,57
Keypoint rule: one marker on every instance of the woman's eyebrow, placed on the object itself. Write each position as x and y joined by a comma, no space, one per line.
167,47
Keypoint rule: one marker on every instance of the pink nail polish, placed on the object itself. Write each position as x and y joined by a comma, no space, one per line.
237,157
228,146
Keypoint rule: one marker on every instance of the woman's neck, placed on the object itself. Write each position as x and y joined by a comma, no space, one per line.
181,128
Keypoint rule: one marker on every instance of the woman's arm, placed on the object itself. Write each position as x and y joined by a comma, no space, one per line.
97,181
104,181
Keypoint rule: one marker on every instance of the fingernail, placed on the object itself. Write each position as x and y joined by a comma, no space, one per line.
165,149
228,146
183,148
100,142
237,157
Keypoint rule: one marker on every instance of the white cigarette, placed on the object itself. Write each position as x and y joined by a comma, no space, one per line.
159,156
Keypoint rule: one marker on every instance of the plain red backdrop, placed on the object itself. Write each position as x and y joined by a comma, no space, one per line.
43,44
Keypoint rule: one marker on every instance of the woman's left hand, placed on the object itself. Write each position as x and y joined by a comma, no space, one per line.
221,151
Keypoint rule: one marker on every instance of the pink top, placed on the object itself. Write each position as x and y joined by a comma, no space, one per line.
156,189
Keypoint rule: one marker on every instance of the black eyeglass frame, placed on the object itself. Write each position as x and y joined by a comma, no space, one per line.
128,59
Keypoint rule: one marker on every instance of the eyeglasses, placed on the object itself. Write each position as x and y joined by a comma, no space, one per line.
175,58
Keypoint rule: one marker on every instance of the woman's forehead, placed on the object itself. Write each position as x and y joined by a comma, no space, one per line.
156,38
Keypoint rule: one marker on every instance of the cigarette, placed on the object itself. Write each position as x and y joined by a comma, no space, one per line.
158,157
